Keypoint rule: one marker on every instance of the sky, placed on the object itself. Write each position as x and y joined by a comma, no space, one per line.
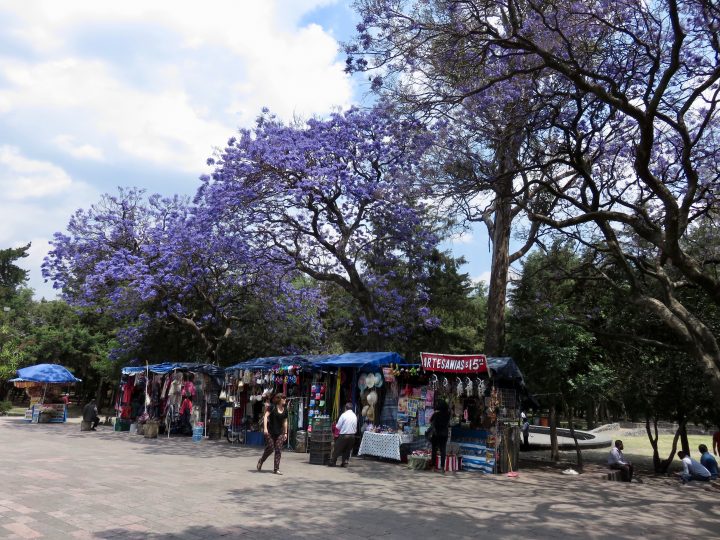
100,95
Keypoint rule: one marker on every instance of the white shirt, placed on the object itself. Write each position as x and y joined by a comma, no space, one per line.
692,467
347,423
616,457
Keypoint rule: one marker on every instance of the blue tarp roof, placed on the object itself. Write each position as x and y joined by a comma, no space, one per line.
504,367
363,360
167,367
45,373
316,361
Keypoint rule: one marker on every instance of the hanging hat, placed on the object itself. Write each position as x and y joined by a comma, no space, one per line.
372,398
378,380
369,380
361,382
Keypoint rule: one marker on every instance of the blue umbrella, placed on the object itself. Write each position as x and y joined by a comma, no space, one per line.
45,373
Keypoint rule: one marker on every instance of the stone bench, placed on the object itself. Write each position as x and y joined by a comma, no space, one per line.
613,475
85,426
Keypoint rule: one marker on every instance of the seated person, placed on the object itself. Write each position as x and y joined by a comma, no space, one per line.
708,461
692,470
617,461
90,414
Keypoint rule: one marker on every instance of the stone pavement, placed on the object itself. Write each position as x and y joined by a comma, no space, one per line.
56,482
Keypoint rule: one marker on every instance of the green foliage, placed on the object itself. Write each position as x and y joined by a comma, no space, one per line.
5,407
460,305
11,275
558,356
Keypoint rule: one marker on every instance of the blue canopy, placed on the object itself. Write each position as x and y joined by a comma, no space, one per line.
362,360
45,373
167,367
504,367
317,361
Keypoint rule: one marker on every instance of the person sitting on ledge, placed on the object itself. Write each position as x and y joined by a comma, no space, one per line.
617,461
90,415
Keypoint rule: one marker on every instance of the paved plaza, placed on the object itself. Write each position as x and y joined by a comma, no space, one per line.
56,482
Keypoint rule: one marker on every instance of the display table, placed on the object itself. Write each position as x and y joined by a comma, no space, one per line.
52,413
385,445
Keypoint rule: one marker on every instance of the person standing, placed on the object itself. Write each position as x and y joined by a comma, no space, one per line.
617,461
440,422
716,441
90,414
347,427
526,433
275,429
708,461
692,470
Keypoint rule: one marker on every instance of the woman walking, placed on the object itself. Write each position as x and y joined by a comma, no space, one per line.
275,429
440,422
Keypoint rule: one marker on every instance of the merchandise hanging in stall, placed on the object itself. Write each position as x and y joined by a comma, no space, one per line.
169,398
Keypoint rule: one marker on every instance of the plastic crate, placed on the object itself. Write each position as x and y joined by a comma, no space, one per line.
122,424
319,458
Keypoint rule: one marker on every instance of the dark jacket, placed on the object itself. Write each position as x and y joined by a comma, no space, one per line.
90,412
440,421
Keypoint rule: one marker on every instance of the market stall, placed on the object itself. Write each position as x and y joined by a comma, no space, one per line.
249,386
43,383
317,387
482,394
170,398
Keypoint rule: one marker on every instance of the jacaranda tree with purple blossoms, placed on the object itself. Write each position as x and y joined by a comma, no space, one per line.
342,199
160,261
630,135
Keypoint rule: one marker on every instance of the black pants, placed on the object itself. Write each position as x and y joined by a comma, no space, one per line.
343,445
95,421
441,443
626,471
526,439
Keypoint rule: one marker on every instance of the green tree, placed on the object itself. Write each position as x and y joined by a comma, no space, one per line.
11,275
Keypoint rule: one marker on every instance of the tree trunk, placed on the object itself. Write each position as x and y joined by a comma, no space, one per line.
665,464
495,328
590,414
684,443
554,450
99,394
571,425
653,442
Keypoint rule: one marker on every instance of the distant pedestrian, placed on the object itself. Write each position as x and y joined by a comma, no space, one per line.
440,423
347,427
90,415
692,470
526,433
275,430
708,461
716,441
617,461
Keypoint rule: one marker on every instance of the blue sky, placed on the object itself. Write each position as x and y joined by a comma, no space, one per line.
96,95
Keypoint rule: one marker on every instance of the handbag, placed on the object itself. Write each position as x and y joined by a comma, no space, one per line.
430,432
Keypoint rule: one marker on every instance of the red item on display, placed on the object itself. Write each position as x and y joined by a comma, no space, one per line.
452,462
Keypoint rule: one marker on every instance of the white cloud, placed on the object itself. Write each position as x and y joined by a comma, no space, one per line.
23,178
169,123
485,276
69,144
464,237
36,199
